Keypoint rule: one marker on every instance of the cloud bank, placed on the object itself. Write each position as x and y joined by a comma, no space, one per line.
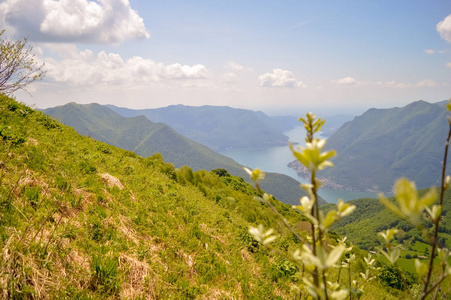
345,81
349,81
86,68
102,21
279,78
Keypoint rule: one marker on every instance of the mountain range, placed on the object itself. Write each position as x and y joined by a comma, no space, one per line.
218,127
145,138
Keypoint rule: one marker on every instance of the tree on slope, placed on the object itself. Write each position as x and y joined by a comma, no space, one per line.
18,66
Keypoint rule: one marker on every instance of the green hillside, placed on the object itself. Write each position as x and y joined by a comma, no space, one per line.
83,219
217,127
371,217
382,145
146,138
80,219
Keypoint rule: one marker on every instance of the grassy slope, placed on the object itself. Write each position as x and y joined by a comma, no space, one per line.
67,233
67,230
146,138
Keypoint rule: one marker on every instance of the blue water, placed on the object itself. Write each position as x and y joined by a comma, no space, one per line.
276,158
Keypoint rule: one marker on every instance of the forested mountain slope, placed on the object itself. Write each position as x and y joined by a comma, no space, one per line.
381,145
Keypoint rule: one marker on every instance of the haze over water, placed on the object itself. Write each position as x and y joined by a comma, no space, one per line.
275,159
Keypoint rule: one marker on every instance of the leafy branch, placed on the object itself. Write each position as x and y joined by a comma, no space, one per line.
315,255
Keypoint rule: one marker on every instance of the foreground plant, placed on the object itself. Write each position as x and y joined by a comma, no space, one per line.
316,256
411,207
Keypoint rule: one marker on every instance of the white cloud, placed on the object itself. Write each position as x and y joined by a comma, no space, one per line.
444,28
233,66
279,78
393,84
448,65
85,68
348,81
102,21
400,85
427,83
345,81
429,51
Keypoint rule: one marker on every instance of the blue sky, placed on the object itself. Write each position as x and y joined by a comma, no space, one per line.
277,56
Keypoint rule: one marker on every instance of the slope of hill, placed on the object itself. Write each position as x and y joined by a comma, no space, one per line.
217,127
376,148
80,219
146,138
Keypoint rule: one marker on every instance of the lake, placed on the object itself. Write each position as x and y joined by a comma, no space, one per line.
276,158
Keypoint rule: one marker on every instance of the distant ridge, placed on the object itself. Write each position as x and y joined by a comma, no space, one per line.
216,126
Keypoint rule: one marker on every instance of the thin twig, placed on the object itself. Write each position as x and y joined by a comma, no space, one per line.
436,222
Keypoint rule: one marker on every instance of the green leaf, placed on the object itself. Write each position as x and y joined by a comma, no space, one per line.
335,255
421,268
330,218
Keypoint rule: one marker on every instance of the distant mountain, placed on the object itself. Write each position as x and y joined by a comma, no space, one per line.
376,148
146,138
218,127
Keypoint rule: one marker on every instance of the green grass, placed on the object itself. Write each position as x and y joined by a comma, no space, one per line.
421,247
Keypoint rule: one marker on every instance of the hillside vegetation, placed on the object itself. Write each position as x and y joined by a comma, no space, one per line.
371,217
146,138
